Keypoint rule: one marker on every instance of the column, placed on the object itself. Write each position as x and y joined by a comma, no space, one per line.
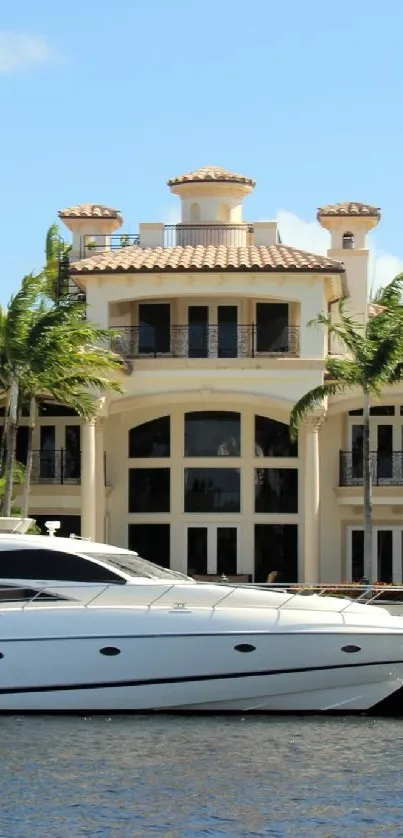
88,484
311,541
99,481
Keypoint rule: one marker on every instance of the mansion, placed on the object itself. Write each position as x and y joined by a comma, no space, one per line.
192,465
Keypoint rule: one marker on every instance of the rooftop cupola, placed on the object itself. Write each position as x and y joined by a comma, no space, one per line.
91,225
212,207
349,225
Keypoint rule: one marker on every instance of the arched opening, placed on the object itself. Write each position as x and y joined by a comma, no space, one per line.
348,241
195,213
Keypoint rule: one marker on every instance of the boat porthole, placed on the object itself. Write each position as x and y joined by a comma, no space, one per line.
244,647
110,651
351,649
1,655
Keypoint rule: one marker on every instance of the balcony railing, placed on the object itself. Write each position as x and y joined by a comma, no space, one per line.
386,469
59,466
225,340
230,235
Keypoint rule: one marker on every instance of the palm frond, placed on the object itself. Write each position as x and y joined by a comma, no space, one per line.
307,403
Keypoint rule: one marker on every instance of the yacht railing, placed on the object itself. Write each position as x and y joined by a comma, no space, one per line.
177,596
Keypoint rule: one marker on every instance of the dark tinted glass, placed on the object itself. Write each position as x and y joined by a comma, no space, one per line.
272,439
149,490
385,555
154,328
212,433
226,551
380,410
152,439
276,490
357,441
53,409
272,327
151,541
212,490
276,551
22,444
48,564
197,551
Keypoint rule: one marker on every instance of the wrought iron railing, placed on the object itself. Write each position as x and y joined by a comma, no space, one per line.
59,466
386,469
201,341
89,244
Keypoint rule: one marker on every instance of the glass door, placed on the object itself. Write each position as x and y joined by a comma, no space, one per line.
387,554
227,331
212,549
198,336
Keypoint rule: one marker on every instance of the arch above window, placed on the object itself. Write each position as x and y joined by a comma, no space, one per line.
348,241
151,439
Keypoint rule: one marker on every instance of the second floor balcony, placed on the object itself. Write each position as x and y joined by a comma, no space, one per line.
224,340
386,469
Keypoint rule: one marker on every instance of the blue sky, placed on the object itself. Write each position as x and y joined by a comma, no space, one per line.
102,102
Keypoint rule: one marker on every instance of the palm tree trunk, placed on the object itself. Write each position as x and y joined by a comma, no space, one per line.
367,474
11,443
3,442
30,457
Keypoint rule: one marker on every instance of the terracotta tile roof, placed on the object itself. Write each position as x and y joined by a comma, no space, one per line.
211,174
274,258
89,211
349,209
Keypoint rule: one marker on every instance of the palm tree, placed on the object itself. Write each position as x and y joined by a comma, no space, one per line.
373,360
48,350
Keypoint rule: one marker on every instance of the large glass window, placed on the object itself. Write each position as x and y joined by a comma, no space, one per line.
272,327
212,490
149,490
272,439
151,541
276,552
212,433
154,328
151,439
276,490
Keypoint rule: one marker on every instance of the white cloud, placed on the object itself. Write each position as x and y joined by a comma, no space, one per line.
308,235
20,51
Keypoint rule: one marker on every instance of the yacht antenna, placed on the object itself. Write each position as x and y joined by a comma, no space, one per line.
52,527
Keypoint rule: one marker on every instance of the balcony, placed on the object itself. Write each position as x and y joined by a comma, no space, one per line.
59,466
386,470
224,340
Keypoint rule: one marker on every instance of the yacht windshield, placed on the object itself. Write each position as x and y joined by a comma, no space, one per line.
136,566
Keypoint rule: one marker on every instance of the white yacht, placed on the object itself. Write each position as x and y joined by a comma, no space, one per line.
90,627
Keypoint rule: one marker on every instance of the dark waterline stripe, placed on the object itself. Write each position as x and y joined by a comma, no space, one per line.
186,679
362,631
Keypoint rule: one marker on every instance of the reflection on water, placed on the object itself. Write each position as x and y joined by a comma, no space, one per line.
212,776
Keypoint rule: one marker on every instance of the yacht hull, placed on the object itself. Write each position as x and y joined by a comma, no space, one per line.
284,672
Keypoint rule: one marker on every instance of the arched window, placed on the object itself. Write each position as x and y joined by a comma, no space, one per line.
195,213
152,439
348,241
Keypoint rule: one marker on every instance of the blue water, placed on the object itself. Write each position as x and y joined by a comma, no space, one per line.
166,776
